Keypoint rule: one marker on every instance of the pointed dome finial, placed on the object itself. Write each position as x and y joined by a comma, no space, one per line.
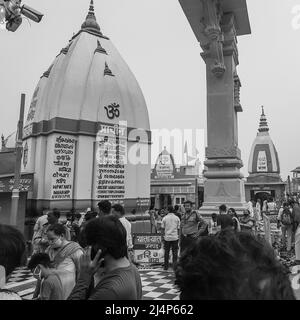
90,23
91,10
263,124
99,48
107,71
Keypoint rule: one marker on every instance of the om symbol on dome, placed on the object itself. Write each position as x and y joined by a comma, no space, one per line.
112,111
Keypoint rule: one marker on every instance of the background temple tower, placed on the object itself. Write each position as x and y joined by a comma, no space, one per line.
264,179
86,112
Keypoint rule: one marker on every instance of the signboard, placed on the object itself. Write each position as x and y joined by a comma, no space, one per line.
143,202
26,183
262,165
63,168
111,148
146,248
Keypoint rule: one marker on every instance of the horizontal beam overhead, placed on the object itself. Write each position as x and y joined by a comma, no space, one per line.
193,9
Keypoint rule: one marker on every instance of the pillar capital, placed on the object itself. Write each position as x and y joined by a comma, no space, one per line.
219,36
213,37
228,27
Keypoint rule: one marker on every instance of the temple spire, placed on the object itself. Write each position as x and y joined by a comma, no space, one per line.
263,124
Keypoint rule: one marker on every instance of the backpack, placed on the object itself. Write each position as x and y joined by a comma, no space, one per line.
286,217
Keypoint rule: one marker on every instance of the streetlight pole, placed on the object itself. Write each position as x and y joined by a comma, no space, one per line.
19,148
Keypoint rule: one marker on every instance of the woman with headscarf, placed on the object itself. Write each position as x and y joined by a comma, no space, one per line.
63,253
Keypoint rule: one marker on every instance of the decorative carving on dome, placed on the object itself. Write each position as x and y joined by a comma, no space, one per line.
107,71
66,49
210,24
112,111
47,73
99,48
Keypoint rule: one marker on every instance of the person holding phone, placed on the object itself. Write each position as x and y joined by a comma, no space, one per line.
105,271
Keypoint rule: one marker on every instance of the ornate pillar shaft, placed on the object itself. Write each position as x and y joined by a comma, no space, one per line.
223,182
216,25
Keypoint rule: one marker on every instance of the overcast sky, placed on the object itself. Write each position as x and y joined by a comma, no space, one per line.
156,41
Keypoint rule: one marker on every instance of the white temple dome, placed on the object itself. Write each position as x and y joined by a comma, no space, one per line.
88,75
263,156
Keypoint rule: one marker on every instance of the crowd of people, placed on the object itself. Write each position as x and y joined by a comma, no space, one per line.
89,256
85,256
180,226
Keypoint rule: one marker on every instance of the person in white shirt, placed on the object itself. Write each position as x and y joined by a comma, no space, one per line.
258,210
170,227
250,208
272,206
118,210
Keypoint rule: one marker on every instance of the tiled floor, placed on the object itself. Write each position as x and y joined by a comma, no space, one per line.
157,284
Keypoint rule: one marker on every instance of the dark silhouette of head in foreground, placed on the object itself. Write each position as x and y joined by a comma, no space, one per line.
233,266
13,252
